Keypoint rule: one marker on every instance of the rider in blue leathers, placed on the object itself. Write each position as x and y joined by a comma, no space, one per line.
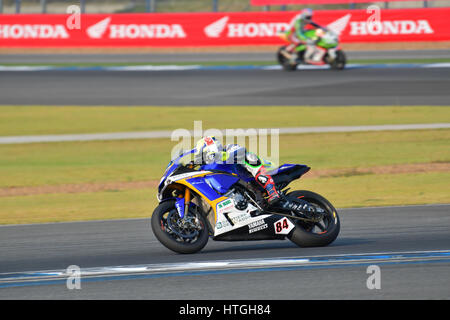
210,150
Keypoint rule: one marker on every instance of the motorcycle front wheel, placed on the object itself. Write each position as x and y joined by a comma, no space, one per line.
340,61
284,62
181,235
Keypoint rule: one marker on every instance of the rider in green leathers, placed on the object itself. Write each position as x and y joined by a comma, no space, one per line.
296,33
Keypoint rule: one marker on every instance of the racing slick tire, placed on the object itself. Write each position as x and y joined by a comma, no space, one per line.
284,62
164,221
304,234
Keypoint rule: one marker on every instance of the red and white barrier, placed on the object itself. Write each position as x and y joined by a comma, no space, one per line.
216,29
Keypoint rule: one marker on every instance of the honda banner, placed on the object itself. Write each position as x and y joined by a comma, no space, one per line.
216,29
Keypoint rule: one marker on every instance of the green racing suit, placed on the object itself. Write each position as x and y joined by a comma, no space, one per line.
296,33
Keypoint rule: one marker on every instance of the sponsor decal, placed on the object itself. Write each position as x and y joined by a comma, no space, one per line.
135,31
185,175
33,31
240,218
215,29
224,206
179,204
262,29
257,226
97,30
253,29
236,220
222,224
196,182
141,31
339,25
262,179
245,30
387,27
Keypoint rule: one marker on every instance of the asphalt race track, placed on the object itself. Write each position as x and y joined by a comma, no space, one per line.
355,86
389,230
153,57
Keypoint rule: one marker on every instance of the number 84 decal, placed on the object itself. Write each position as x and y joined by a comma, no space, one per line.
283,226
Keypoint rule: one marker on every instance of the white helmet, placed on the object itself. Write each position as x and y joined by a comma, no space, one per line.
208,145
306,14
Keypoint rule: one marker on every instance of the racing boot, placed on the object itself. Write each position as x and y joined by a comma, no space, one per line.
292,54
266,181
276,199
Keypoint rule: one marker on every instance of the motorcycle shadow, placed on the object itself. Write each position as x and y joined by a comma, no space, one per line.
277,245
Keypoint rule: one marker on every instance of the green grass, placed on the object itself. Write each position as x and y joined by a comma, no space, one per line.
78,206
138,160
25,120
80,162
381,190
356,191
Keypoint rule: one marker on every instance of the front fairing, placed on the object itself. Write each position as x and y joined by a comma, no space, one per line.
237,169
173,165
329,40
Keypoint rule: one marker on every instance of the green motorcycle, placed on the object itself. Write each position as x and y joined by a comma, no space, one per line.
323,50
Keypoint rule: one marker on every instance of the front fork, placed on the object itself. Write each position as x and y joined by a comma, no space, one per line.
286,54
182,203
187,200
332,54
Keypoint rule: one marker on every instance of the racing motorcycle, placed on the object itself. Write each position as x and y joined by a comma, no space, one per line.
224,202
326,51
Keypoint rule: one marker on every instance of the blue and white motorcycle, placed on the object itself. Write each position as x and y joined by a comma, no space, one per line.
224,202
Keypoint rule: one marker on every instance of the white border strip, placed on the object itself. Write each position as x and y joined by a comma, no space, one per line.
226,265
167,134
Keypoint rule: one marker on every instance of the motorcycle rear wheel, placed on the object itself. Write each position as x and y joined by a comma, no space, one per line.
172,231
307,234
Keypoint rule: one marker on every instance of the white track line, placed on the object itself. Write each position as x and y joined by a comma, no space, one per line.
168,134
227,265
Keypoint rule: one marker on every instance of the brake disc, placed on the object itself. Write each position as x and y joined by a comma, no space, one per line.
183,228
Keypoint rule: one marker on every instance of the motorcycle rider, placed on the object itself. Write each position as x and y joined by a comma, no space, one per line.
210,150
296,35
